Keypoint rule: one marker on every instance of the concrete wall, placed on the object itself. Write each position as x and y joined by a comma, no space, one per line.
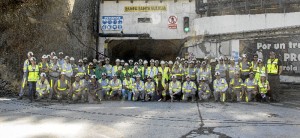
158,29
242,23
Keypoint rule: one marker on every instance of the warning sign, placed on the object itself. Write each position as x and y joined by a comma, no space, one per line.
172,22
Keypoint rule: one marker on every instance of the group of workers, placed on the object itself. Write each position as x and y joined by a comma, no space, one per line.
62,78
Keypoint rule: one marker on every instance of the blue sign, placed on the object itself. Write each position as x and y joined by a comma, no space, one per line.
112,23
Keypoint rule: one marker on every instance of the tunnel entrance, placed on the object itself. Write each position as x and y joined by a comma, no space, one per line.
144,49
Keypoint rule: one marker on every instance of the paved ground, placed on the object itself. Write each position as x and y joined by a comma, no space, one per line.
151,119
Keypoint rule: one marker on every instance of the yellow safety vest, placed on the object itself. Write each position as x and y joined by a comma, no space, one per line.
263,87
162,81
116,85
177,83
33,75
80,84
128,83
107,83
193,85
237,86
250,86
149,89
164,72
59,87
272,66
246,69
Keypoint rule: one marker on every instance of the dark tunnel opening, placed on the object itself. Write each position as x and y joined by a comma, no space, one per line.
144,49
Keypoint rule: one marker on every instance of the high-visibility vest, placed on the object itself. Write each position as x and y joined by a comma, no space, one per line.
59,85
104,85
259,71
192,74
115,85
272,66
221,86
192,86
42,87
80,70
263,87
128,84
204,87
33,74
43,65
245,68
250,84
178,72
254,66
149,87
108,69
77,86
164,72
237,84
137,86
162,83
172,88
154,71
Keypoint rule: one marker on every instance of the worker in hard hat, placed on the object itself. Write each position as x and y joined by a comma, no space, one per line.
62,88
204,91
25,74
42,87
77,88
127,87
175,89
104,82
94,89
189,89
54,73
220,88
116,87
236,87
149,89
33,77
138,88
67,69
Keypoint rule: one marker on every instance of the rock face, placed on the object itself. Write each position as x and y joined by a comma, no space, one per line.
43,26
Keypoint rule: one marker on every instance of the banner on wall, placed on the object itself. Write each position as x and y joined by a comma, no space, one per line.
287,50
145,8
113,23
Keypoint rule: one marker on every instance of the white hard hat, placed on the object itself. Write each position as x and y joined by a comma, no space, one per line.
107,59
156,61
162,62
44,56
136,63
173,77
103,74
191,62
138,76
122,61
80,60
93,77
232,58
221,57
140,60
202,79
43,74
72,58
126,64
130,60
85,58
55,57
62,73
217,73
60,53
114,75
170,62
263,75
52,53
203,62
187,76
152,61
177,58
117,60
95,60
48,56
32,59
182,59
145,62
244,55
29,53
91,64
67,57
259,60
205,57
120,68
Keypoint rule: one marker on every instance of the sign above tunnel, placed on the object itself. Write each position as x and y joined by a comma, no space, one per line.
145,8
112,23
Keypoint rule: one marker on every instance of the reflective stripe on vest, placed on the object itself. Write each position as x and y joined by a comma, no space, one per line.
59,87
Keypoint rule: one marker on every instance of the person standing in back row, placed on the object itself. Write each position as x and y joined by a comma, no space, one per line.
274,70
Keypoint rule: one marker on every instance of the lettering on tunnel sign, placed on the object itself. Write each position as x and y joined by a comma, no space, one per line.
172,22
